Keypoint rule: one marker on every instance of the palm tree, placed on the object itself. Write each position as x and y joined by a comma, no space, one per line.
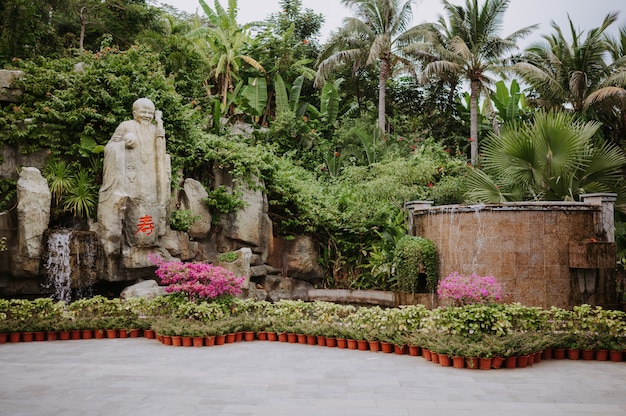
573,76
468,45
223,41
553,157
376,35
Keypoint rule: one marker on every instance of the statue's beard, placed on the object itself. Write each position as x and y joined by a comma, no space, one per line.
144,122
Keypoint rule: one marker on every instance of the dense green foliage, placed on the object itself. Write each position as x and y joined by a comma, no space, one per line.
327,168
415,256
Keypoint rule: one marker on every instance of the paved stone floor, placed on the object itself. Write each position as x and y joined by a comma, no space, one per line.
142,377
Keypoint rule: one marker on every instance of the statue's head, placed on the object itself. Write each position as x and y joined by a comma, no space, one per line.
143,110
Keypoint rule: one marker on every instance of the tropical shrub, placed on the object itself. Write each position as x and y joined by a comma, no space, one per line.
197,281
415,256
465,290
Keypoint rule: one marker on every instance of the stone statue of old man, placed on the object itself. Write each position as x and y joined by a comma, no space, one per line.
135,192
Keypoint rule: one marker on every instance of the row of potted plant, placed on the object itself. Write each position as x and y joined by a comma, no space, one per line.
482,331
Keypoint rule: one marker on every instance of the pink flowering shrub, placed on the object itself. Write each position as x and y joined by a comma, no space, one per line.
197,281
466,290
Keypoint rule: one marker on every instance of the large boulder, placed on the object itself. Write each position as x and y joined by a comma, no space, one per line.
285,288
146,289
249,226
191,198
297,258
240,266
33,216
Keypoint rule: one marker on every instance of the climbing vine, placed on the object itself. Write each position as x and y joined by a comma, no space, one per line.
414,255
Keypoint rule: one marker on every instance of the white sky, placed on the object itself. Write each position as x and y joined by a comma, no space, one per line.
585,14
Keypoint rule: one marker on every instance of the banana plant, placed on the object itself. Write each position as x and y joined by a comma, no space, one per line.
289,101
329,103
510,103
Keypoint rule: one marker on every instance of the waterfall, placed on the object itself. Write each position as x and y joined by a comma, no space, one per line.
58,265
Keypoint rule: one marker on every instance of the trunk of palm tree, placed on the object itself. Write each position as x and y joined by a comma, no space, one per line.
474,122
83,23
382,91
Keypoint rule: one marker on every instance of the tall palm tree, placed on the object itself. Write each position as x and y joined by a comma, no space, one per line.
553,157
224,41
468,45
573,75
376,34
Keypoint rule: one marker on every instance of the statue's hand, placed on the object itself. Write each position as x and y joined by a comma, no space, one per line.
130,140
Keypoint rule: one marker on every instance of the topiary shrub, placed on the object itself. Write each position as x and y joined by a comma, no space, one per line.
416,264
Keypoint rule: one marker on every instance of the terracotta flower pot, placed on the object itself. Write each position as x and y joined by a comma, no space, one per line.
444,360
362,345
134,333
374,346
64,335
457,362
602,355
573,353
111,333
558,354
230,338
177,340
352,345
312,340
547,354
538,356
399,349
40,336
75,334
616,356
414,351
99,333
522,361
282,337
427,354
149,333
587,354
122,333
471,363
272,336
238,336
248,336
4,338
198,341
187,341
321,340
51,335
28,336
497,362
209,340
262,335
167,339
301,339
485,363
15,337
292,338
386,347
434,357
220,340
341,343
331,341
510,362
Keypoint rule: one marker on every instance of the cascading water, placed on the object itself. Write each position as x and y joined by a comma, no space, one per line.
58,264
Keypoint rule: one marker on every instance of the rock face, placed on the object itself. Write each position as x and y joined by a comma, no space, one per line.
191,199
33,215
297,258
146,289
248,227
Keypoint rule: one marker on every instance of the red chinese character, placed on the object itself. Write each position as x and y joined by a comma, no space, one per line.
145,225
